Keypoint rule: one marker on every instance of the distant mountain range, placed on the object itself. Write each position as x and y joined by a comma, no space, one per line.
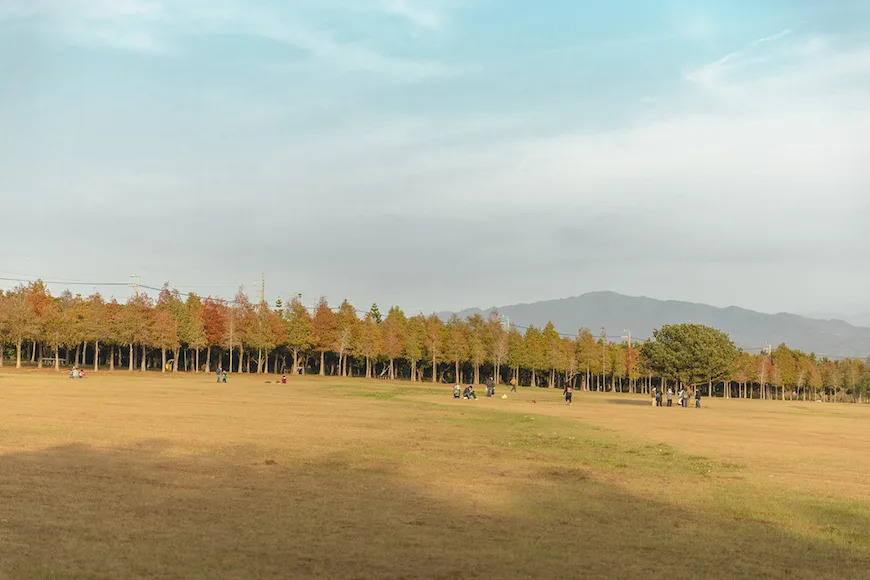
749,329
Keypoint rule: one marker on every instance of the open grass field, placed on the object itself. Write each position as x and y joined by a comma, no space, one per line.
146,475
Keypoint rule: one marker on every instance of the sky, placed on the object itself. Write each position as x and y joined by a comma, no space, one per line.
441,154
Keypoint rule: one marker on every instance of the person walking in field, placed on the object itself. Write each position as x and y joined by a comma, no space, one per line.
670,394
224,377
697,397
569,394
513,384
219,372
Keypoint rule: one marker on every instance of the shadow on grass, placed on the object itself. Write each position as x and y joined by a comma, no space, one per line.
632,402
146,511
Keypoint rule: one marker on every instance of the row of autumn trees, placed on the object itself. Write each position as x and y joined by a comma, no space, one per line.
189,333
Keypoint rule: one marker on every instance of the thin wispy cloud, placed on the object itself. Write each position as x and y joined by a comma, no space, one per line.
711,71
162,28
419,13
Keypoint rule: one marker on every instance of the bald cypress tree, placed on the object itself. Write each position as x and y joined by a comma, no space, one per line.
325,331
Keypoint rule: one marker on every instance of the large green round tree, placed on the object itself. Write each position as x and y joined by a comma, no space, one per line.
690,353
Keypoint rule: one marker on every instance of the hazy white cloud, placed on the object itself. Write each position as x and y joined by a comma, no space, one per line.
331,175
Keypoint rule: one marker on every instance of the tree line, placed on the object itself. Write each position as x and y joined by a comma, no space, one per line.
177,333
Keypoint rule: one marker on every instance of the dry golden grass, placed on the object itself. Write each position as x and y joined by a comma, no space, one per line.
177,476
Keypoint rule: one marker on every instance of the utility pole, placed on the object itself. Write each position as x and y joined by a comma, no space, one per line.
627,337
603,358
262,288
135,284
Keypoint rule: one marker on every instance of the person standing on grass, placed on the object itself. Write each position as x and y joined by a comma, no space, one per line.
670,397
684,397
658,397
490,387
569,394
697,397
513,384
219,372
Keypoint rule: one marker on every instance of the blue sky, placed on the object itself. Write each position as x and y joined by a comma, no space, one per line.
442,154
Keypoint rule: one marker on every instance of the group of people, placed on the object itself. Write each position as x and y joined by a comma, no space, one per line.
467,393
221,375
76,373
683,396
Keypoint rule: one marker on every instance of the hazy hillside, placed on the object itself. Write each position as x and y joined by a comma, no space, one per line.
747,328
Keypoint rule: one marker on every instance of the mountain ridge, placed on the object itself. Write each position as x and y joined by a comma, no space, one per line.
749,329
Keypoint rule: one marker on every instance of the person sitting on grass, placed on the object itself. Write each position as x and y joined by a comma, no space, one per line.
469,393
283,379
457,391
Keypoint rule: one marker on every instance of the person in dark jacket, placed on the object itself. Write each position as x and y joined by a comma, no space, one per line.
697,397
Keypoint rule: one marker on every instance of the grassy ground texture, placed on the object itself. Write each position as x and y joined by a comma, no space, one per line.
146,475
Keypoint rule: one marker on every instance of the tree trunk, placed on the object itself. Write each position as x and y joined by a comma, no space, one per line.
163,360
33,351
96,355
392,371
368,368
434,370
2,355
322,365
208,359
18,354
458,378
476,374
259,361
175,360
241,358
57,357
413,371
112,357
295,360
143,358
131,357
